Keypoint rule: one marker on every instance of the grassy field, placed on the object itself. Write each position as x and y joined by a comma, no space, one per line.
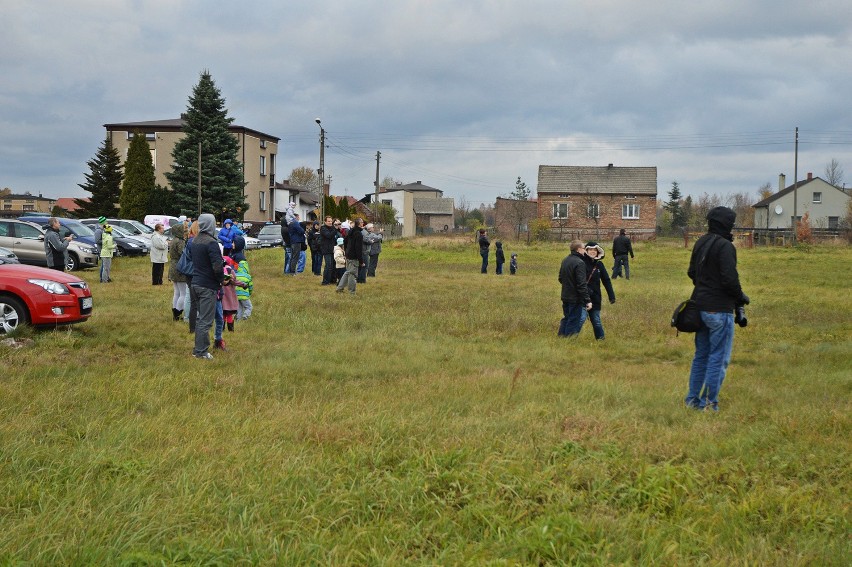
435,418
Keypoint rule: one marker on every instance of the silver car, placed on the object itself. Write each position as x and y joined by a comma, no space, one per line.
26,240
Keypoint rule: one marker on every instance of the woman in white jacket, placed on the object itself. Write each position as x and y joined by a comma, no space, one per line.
159,254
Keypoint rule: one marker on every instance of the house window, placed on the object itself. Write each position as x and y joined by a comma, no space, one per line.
7,207
560,210
29,207
630,196
262,204
817,197
263,143
263,165
630,211
150,136
387,202
593,210
833,223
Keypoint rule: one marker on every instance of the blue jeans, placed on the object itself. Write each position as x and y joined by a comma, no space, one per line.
573,316
484,255
499,268
713,344
597,326
621,260
328,271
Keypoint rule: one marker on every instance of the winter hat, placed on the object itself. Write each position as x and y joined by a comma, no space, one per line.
182,218
596,246
339,241
107,228
101,220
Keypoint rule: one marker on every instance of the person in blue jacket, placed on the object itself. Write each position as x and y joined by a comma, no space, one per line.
297,242
227,234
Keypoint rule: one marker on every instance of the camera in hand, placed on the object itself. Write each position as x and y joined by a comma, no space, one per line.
740,316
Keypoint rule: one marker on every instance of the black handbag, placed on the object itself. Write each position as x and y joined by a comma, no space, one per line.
686,317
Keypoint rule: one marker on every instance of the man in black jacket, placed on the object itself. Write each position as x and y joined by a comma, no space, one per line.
328,237
713,271
207,278
575,293
621,247
353,249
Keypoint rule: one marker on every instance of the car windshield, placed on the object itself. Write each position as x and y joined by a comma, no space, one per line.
120,232
143,229
78,228
270,230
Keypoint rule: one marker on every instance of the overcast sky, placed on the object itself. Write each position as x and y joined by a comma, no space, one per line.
465,96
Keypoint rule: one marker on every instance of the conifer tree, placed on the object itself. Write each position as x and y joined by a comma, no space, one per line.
673,206
139,182
206,122
103,182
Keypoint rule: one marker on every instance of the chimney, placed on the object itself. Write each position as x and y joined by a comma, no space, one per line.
609,166
419,182
782,182
810,176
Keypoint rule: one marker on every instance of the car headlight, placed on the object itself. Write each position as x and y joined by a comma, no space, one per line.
132,245
87,250
51,286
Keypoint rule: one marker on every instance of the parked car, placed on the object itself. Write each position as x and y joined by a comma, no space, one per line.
26,240
165,220
7,256
125,245
251,242
132,227
270,235
31,295
81,232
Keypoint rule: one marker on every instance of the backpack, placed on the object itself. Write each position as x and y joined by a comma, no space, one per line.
686,317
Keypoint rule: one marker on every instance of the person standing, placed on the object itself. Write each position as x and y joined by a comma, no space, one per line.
297,240
56,247
190,305
376,239
513,265
207,278
484,245
716,293
159,254
595,274
354,251
328,238
227,234
499,257
368,246
314,246
621,247
575,292
99,232
107,247
178,279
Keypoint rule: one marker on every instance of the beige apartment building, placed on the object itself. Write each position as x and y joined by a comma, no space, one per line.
258,153
14,205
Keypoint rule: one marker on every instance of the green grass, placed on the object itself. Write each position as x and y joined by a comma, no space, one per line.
435,418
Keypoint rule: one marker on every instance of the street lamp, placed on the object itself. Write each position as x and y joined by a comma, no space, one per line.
321,170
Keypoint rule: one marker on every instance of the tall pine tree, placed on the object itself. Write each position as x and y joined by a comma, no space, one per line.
673,206
103,182
139,181
206,123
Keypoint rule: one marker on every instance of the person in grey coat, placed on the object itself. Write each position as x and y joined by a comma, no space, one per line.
375,238
56,247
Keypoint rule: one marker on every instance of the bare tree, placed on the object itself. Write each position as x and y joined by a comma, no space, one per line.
742,203
462,212
593,210
765,191
306,177
834,173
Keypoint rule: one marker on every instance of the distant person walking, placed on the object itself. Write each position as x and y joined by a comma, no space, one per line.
159,254
621,247
595,275
484,245
575,292
56,247
717,292
207,278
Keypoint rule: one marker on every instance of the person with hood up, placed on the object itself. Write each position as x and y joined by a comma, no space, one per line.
207,278
717,292
499,258
244,306
179,281
227,234
596,273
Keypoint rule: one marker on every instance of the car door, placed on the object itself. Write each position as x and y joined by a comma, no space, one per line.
28,244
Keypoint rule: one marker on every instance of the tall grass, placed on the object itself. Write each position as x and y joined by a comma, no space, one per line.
434,418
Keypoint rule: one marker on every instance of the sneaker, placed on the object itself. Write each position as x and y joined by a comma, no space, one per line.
205,356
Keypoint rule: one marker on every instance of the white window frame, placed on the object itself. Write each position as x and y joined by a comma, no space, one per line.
630,211
630,196
263,143
556,210
263,166
262,199
593,210
817,197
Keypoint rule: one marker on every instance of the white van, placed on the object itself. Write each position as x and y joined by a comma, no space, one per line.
165,220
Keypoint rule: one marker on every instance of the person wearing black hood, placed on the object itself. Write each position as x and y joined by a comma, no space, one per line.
713,271
207,278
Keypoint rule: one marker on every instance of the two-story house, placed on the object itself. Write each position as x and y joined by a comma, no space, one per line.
825,204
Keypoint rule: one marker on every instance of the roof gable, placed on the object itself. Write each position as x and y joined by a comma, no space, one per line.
599,180
787,190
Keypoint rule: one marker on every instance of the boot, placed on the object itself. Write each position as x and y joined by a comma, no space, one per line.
231,326
219,344
175,314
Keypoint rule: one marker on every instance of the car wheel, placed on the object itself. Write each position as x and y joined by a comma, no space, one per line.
119,251
12,314
73,263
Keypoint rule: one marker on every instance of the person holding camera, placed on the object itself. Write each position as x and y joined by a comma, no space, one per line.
55,246
717,294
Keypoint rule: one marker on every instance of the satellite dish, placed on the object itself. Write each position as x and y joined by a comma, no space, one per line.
778,209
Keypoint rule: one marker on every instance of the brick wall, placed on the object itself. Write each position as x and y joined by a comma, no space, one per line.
609,221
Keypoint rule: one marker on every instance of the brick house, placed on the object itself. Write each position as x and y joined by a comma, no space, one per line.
589,202
513,216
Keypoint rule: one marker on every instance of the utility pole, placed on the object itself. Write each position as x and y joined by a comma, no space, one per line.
795,186
199,179
321,170
376,184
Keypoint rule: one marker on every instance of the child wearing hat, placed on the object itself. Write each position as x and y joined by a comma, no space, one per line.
595,273
339,260
107,250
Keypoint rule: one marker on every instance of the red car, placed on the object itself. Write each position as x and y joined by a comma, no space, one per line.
41,297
